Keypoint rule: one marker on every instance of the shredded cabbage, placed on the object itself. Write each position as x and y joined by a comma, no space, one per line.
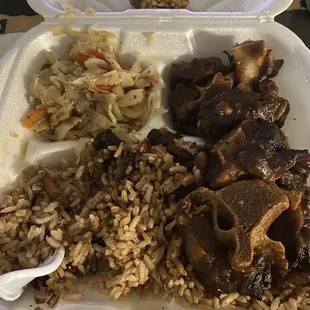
93,91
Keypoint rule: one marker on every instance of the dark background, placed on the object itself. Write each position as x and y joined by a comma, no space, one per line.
296,20
15,7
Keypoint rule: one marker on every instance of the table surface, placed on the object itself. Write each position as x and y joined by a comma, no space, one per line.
17,16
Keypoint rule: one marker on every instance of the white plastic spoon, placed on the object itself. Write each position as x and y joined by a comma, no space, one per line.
12,284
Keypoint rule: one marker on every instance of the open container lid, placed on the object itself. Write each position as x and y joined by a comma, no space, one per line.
268,9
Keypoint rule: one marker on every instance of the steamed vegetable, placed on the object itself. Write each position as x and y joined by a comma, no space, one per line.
91,91
33,118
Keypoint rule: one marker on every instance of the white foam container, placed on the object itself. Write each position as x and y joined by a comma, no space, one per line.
52,8
178,34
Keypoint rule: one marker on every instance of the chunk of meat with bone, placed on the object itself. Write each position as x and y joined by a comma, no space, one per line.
209,99
251,206
195,209
267,167
273,99
199,71
209,253
253,62
218,85
257,149
229,109
204,217
218,175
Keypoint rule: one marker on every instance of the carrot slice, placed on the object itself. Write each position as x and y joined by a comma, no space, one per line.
33,117
97,53
78,57
105,88
95,88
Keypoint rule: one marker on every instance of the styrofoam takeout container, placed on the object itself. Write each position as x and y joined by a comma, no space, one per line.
178,34
52,8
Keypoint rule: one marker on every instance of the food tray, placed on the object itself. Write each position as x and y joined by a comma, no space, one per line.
52,8
181,40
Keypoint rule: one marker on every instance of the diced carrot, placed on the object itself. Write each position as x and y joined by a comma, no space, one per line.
78,57
33,117
105,88
95,88
97,53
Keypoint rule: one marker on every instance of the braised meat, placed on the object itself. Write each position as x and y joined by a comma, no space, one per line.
251,206
257,149
180,102
213,223
297,244
297,176
293,218
282,104
185,101
218,175
210,256
253,62
199,71
166,138
222,113
267,86
218,85
209,99
269,168
251,232
301,261
195,219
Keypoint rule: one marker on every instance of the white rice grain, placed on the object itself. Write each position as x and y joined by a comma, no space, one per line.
148,262
134,223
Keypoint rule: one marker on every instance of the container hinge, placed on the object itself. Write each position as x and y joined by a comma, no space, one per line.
265,19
